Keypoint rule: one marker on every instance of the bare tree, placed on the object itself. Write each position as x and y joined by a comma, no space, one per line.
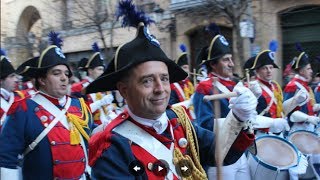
231,10
97,15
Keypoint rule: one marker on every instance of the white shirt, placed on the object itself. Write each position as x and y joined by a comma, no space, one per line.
159,125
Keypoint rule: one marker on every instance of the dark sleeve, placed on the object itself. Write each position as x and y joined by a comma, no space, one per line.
173,97
12,139
203,111
114,161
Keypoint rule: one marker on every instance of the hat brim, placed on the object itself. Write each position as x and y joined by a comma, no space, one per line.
34,72
108,82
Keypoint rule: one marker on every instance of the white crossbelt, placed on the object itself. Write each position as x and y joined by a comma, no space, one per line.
60,116
270,93
5,105
221,87
302,87
178,87
139,136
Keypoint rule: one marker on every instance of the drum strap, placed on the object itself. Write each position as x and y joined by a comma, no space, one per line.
5,105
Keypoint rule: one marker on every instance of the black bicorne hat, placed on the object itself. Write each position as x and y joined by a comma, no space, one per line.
302,60
219,46
6,66
265,57
144,47
248,64
50,57
24,67
96,59
183,58
82,63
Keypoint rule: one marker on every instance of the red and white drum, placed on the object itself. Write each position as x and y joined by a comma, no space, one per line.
274,157
309,144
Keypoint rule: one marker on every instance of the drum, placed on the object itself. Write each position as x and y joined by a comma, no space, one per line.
309,144
274,157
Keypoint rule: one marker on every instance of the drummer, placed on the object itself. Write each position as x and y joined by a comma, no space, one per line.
300,98
270,111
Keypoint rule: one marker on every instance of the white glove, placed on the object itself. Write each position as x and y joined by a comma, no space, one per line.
244,106
316,107
301,97
255,88
313,120
301,168
279,125
107,99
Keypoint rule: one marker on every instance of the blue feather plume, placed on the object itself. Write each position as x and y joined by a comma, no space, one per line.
273,45
54,39
2,52
299,47
131,16
213,29
95,47
183,47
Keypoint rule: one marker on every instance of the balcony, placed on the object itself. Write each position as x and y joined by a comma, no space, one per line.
183,4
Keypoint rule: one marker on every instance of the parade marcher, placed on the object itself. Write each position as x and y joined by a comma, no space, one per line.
97,101
28,87
218,60
300,97
46,136
270,110
8,82
317,91
182,90
149,130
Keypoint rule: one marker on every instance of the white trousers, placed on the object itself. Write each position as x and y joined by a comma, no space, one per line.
238,170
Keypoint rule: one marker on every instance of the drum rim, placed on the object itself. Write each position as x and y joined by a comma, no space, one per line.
269,166
301,130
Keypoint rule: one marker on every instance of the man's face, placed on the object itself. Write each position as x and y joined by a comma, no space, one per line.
147,89
96,72
265,72
185,68
224,67
10,82
56,81
306,72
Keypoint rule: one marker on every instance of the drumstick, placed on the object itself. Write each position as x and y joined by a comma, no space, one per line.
219,96
248,77
217,115
194,78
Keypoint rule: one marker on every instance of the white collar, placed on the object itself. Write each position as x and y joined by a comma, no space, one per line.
159,125
5,93
220,77
300,77
62,101
89,78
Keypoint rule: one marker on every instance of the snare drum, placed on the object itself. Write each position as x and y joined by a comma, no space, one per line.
309,144
274,157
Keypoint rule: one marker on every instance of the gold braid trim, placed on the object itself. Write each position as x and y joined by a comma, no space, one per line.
312,98
77,124
197,170
188,90
279,98
20,94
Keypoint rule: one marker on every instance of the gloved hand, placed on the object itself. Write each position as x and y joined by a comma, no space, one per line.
243,106
313,120
107,99
316,107
301,96
279,125
255,88
301,168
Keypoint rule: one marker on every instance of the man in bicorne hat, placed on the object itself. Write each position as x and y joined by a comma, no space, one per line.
301,108
218,60
269,109
46,136
149,135
99,101
8,83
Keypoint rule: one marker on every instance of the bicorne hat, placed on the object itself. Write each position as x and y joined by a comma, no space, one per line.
144,47
6,66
